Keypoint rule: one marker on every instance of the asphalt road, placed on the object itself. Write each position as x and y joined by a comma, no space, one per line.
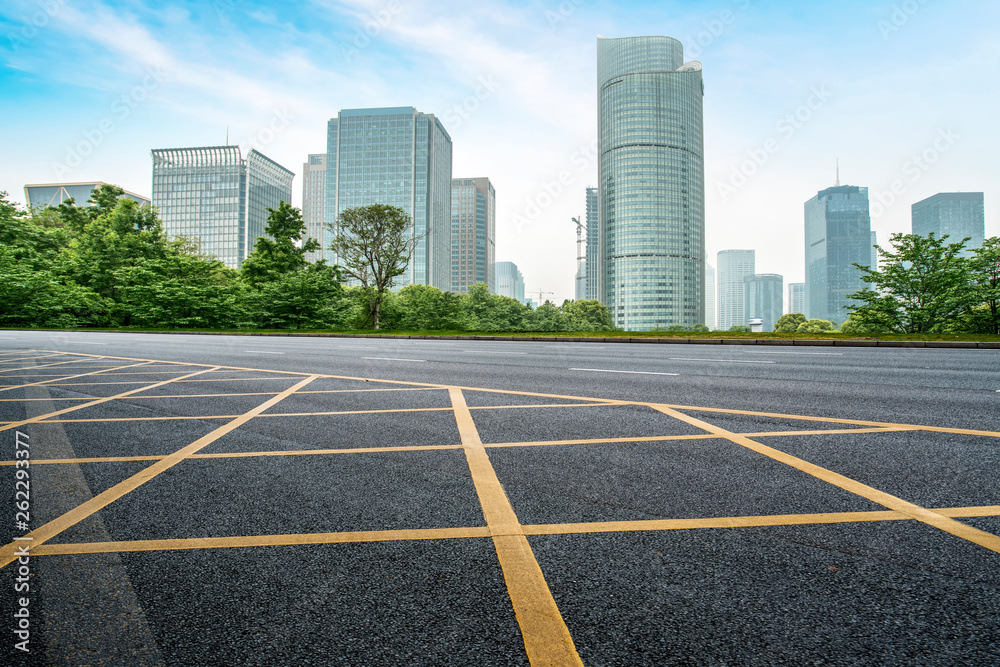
633,504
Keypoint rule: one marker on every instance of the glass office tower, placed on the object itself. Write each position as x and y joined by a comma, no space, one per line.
652,183
796,298
593,222
838,235
313,198
734,267
764,298
957,214
473,233
213,194
400,157
41,195
510,282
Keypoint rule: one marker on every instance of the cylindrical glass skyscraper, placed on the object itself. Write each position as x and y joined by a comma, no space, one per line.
652,183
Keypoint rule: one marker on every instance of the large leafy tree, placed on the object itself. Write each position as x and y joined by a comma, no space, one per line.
587,315
283,249
984,269
374,245
921,287
492,312
426,308
789,323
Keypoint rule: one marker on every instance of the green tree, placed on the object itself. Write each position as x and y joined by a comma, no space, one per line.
921,287
426,308
700,328
815,326
492,312
547,317
587,315
282,250
739,328
676,328
984,270
374,244
789,323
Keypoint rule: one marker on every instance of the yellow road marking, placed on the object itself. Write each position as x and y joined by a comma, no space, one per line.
37,366
98,401
79,375
7,360
260,541
44,533
483,531
547,640
956,528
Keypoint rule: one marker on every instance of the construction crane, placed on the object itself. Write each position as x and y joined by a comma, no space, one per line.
581,257
540,293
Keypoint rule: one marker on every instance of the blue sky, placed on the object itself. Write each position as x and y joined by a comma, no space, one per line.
905,94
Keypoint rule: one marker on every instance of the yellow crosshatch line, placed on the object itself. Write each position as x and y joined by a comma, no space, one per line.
291,539
547,639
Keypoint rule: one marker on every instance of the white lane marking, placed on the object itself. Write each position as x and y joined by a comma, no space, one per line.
488,352
830,354
605,370
83,343
392,359
261,352
727,361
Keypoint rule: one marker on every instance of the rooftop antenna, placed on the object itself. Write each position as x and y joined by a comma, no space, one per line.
838,172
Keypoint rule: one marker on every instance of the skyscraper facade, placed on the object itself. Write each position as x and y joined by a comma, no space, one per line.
796,298
53,194
734,267
957,214
510,282
313,186
763,296
651,171
473,233
711,314
837,236
593,222
400,157
217,196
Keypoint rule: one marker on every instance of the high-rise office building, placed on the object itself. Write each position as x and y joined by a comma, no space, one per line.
733,268
837,236
399,157
473,233
763,296
957,214
510,282
593,222
652,183
710,307
797,298
313,198
52,194
217,196
874,265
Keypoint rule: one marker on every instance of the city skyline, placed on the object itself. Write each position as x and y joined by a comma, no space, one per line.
903,98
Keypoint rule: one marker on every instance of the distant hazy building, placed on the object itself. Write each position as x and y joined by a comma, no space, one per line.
593,222
796,298
510,282
53,194
313,201
733,268
957,214
710,309
652,183
764,298
837,235
217,196
400,157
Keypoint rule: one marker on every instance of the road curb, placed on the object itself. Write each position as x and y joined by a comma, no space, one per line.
795,342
